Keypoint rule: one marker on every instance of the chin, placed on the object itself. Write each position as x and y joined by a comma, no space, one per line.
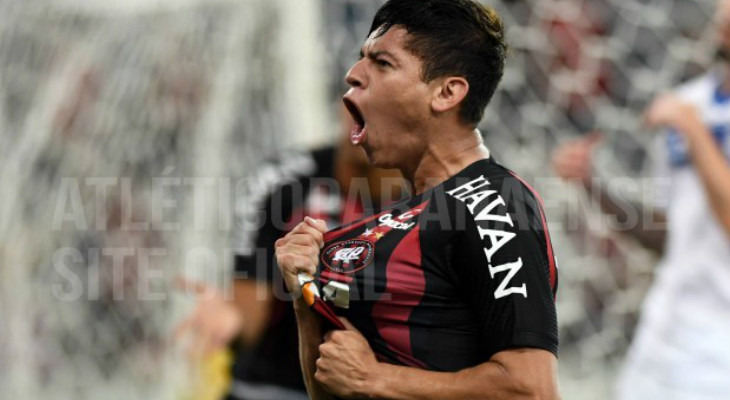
370,155
375,158
380,162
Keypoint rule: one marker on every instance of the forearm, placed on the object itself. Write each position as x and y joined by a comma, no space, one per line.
648,229
489,381
253,300
712,168
309,327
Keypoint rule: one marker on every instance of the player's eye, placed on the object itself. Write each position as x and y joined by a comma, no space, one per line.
382,62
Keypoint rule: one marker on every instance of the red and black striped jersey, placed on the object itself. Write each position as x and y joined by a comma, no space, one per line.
450,277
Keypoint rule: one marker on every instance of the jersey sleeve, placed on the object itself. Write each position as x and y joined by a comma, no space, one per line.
506,268
254,241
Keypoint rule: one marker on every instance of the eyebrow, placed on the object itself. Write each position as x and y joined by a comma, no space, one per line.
375,54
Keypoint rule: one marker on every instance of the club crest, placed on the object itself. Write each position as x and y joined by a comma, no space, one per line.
348,256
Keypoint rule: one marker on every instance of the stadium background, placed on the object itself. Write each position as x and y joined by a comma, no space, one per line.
195,94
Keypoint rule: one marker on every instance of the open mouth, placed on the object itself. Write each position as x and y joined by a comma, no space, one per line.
357,135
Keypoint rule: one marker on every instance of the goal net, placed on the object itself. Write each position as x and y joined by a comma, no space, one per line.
124,128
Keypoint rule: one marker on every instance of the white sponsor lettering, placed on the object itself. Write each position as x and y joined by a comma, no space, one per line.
486,213
511,269
461,192
405,216
397,223
471,195
497,239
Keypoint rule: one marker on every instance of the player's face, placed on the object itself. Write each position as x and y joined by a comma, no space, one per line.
388,100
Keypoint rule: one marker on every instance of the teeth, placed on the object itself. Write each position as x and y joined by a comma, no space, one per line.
357,134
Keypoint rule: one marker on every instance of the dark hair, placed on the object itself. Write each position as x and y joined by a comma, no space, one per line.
452,38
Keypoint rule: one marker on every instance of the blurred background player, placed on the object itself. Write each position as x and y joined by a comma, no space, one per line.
681,347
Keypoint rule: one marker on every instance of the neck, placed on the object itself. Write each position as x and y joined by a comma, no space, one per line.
444,157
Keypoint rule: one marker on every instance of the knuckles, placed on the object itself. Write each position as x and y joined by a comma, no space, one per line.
299,249
336,336
324,349
288,261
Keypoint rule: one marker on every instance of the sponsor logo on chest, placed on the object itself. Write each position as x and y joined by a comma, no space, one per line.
350,256
398,222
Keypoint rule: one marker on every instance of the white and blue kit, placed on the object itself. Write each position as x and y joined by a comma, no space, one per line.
682,345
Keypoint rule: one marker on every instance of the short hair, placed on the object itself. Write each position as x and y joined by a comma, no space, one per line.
452,38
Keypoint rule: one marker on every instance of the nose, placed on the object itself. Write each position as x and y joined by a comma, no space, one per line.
355,76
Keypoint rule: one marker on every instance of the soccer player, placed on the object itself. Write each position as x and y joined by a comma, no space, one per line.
451,292
682,345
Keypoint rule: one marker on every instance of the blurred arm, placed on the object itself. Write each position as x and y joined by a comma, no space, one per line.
711,165
213,322
652,237
712,168
574,161
253,299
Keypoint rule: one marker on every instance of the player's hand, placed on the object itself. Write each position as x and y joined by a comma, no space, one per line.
346,363
213,323
573,160
668,110
298,251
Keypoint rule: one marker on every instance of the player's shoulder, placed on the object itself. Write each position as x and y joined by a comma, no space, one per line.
489,174
487,187
698,88
282,169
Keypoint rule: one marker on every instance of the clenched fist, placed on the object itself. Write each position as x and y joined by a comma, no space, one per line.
346,364
298,251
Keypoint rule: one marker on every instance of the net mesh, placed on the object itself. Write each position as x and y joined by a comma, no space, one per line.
206,91
123,134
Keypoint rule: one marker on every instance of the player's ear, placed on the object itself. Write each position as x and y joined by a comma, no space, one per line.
448,93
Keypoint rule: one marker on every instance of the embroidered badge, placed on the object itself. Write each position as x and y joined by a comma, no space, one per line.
349,256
